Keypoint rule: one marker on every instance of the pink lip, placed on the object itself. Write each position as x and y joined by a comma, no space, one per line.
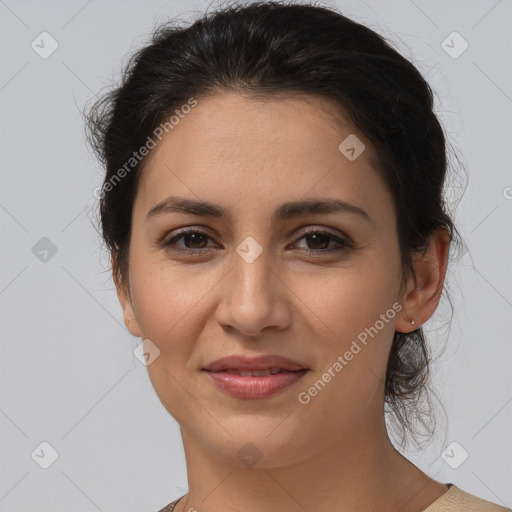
254,363
254,387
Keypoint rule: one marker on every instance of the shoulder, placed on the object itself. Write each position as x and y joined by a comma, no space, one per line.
453,500
457,500
170,507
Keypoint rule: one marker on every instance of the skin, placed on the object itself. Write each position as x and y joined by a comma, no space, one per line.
250,156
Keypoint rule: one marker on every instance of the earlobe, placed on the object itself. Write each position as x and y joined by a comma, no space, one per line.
130,319
129,316
421,298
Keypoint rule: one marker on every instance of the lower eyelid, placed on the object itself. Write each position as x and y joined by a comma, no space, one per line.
170,244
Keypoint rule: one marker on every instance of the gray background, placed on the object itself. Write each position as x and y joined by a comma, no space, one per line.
68,373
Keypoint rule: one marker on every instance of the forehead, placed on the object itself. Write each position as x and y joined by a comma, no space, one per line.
236,150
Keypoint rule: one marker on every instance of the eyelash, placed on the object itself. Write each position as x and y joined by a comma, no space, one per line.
169,244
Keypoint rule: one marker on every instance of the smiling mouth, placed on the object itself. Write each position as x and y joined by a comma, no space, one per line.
253,373
254,384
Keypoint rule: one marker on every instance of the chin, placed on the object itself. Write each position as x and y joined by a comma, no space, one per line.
259,443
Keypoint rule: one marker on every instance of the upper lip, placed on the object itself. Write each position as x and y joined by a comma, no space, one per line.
254,363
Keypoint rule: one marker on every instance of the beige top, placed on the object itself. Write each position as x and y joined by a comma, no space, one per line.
453,500
457,500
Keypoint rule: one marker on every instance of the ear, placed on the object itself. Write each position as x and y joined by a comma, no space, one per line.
424,288
124,296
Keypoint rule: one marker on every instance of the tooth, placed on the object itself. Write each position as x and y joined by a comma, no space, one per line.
253,373
261,373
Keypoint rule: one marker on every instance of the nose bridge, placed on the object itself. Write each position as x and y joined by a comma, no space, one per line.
251,300
252,270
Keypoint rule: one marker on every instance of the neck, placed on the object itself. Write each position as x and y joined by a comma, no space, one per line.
361,471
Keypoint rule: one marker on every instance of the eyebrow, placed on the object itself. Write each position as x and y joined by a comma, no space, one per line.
286,211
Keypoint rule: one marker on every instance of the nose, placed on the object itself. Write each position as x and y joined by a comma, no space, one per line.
253,296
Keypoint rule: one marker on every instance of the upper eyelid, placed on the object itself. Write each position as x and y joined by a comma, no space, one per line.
320,230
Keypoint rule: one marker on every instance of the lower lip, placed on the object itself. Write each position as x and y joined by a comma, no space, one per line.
254,387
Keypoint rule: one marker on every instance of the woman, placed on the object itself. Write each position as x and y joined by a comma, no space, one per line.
273,206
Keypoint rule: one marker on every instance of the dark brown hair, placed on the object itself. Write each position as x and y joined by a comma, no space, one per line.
276,48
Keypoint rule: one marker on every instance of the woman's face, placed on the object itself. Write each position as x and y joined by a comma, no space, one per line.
256,284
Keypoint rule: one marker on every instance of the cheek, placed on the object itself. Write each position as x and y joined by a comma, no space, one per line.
167,298
352,348
170,306
348,300
356,319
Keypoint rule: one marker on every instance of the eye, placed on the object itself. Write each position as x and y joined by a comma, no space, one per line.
197,239
195,242
320,241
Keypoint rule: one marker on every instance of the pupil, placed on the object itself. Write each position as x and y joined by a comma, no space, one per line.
188,236
315,236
